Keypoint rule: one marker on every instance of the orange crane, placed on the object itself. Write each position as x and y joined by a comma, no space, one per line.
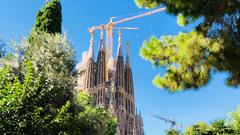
111,25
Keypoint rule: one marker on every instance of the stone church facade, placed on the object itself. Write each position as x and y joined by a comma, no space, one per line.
110,83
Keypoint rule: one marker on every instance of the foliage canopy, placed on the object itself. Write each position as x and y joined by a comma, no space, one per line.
189,58
36,96
26,104
37,85
217,127
189,63
49,18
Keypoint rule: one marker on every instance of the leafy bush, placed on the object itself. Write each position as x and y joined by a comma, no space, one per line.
37,95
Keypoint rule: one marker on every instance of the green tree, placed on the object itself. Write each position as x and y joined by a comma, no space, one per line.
199,128
220,127
54,58
219,51
173,132
26,108
211,11
25,104
37,85
36,96
216,127
94,120
185,58
49,18
235,121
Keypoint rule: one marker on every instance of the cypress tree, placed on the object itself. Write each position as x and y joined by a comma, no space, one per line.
49,18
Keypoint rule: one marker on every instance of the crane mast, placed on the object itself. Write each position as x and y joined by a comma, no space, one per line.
110,26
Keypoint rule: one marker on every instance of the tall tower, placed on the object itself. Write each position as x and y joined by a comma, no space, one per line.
101,64
119,75
90,73
129,83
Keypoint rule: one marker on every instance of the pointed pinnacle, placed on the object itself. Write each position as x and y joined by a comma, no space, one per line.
119,51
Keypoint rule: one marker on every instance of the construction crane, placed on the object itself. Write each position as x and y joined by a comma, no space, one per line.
172,122
111,23
110,26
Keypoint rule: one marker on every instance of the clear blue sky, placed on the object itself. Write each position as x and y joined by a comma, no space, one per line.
212,101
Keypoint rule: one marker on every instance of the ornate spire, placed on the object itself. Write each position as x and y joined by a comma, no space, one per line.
91,47
128,73
90,77
109,39
120,64
101,65
101,45
119,51
128,55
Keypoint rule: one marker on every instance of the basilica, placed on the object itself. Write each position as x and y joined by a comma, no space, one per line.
110,82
